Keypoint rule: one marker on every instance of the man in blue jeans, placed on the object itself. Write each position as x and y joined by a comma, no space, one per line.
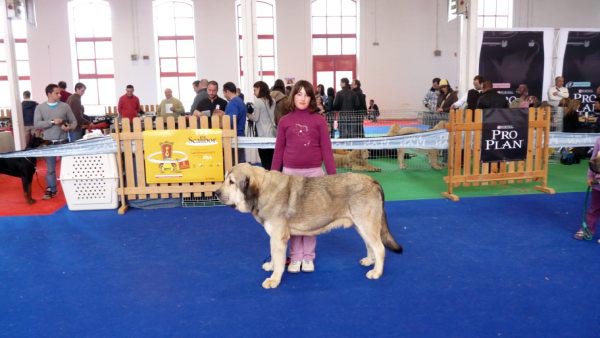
235,107
56,119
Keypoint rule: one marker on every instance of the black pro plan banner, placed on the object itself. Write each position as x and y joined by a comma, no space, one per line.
509,58
581,68
504,134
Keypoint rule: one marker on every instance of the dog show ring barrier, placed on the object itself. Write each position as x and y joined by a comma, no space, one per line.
130,157
464,154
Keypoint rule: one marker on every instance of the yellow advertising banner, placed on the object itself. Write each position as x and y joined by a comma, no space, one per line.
186,155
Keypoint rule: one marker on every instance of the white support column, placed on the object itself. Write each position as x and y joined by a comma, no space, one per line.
248,46
16,110
468,48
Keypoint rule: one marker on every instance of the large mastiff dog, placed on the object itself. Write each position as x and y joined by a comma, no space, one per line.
294,205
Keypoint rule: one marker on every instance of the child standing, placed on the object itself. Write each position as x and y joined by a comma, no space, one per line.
301,147
593,211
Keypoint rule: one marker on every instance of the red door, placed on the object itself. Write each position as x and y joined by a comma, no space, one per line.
328,70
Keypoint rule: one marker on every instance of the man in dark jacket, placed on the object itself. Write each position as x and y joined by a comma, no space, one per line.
361,114
28,106
490,98
346,102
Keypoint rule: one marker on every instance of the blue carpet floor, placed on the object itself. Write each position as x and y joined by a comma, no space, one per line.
482,267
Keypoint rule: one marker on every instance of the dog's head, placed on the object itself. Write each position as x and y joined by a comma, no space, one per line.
241,187
35,142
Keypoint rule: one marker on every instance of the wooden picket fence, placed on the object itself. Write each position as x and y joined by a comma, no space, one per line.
464,154
147,108
130,158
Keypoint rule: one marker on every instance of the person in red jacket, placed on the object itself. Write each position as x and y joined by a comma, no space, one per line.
129,104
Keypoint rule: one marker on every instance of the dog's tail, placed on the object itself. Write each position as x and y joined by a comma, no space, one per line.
386,236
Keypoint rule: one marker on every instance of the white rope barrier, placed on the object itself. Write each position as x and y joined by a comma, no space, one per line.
437,139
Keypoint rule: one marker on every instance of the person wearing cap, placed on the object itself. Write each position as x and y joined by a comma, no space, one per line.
446,98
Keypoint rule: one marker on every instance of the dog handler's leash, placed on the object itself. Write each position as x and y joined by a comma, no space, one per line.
37,177
587,234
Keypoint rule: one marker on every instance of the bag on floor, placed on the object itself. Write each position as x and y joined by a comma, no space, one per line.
568,156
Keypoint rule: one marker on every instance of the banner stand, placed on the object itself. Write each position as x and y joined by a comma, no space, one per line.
131,165
464,154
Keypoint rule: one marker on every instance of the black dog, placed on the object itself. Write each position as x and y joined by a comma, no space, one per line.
23,167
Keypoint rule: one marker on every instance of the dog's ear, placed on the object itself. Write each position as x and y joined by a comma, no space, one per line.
250,189
35,142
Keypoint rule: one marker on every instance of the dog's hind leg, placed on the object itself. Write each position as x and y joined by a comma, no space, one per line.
369,259
400,154
26,181
375,249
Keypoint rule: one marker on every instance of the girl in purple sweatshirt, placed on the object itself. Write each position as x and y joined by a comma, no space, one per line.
593,211
301,147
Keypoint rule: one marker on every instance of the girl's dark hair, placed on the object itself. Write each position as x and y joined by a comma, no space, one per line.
330,92
279,85
263,92
310,91
321,89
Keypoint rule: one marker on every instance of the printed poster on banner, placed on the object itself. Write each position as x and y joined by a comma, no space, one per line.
504,135
511,58
187,155
581,68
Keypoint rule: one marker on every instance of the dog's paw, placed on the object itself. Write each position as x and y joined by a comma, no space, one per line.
267,266
30,201
372,274
271,283
437,167
367,261
402,166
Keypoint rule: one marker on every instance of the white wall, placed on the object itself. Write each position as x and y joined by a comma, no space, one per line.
396,73
50,55
132,23
557,13
49,49
216,41
294,54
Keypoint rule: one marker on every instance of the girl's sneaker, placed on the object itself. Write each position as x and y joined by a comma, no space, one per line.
294,267
308,266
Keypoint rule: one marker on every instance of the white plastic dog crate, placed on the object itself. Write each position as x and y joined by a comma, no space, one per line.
90,181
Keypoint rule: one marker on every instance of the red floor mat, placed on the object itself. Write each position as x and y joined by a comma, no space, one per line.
13,202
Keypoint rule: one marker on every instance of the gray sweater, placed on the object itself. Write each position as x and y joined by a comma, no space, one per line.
264,116
44,114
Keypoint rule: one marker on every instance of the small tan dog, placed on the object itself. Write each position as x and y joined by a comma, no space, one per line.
356,160
396,130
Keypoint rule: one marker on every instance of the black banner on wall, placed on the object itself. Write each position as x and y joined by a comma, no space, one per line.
581,67
504,135
511,58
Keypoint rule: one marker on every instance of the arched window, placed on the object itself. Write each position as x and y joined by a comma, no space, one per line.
494,13
334,40
174,30
257,56
19,29
93,51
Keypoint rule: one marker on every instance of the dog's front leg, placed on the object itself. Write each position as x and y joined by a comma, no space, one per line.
278,242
